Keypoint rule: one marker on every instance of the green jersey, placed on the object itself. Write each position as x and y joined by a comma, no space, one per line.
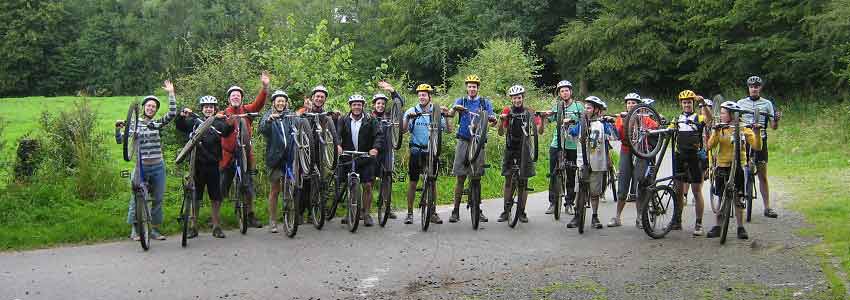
573,108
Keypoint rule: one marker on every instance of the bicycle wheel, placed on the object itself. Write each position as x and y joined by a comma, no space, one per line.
328,151
132,119
713,199
384,200
750,193
612,181
289,207
317,204
355,204
186,211
143,224
475,202
555,190
656,212
476,145
726,210
426,208
196,137
515,208
241,211
394,132
639,121
581,208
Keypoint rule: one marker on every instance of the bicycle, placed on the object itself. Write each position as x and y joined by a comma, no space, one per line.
240,164
352,192
582,200
323,164
191,204
292,184
142,216
649,142
751,190
563,166
478,132
519,187
427,201
387,168
730,191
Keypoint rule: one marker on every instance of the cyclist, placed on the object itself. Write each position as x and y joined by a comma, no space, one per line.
632,168
573,110
379,106
279,150
472,102
358,131
596,170
689,157
419,136
227,165
750,103
207,157
150,153
318,98
513,148
722,138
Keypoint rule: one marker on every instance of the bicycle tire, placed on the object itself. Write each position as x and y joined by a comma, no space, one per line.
317,207
581,209
329,158
474,199
612,181
396,115
655,207
425,210
713,199
186,209
514,211
556,192
132,116
750,194
193,141
354,202
648,146
726,211
476,145
143,225
289,207
385,199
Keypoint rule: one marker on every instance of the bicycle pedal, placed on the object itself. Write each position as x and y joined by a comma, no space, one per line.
124,173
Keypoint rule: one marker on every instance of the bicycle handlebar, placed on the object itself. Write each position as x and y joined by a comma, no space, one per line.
250,115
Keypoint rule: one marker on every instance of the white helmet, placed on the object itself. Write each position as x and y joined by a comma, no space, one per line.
516,90
596,101
379,96
235,88
708,102
754,80
319,88
731,105
563,83
356,98
648,101
207,100
632,96
279,93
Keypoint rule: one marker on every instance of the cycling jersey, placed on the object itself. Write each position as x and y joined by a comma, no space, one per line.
471,105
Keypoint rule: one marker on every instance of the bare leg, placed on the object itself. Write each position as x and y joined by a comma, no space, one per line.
411,193
367,198
273,193
458,191
696,188
216,213
763,186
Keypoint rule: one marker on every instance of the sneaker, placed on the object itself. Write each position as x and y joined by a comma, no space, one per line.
367,221
455,217
344,221
713,233
192,233
569,210
503,217
408,219
217,232
435,218
770,213
155,235
550,210
272,227
698,230
392,215
573,223
676,226
252,221
134,235
523,218
595,223
742,233
615,222
482,217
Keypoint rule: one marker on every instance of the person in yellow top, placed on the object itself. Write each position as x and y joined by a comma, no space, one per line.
722,138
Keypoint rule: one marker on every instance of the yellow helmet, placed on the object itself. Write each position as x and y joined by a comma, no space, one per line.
473,79
424,88
687,95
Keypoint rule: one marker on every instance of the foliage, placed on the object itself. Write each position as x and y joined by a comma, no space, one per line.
500,64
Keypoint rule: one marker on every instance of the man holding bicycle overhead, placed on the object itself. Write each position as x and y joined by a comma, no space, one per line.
150,154
418,126
689,157
207,157
750,103
279,151
358,131
722,138
573,111
594,167
235,97
472,102
379,106
514,147
632,168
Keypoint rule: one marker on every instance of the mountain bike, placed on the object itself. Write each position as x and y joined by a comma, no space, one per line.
559,186
293,183
351,192
191,204
478,133
751,189
528,155
387,167
427,201
241,179
321,179
140,188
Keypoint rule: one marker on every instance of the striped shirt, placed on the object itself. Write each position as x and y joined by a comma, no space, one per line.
148,140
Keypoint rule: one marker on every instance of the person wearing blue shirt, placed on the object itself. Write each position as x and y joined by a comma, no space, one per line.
472,102
419,134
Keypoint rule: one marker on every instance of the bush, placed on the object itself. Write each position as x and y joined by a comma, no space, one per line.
500,64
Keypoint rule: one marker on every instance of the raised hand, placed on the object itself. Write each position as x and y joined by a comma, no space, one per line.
168,87
264,78
384,85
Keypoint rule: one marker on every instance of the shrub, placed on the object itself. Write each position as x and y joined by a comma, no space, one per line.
500,64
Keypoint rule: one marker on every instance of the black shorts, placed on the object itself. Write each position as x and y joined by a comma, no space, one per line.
365,168
507,164
686,167
209,177
723,176
416,164
761,155
227,175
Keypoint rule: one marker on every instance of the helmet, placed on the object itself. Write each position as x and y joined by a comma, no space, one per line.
379,96
472,79
319,88
687,95
279,93
207,100
356,98
648,101
708,102
731,105
516,90
632,96
563,83
151,98
596,101
754,80
424,88
235,88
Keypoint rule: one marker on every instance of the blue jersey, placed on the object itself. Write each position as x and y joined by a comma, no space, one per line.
418,127
472,105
